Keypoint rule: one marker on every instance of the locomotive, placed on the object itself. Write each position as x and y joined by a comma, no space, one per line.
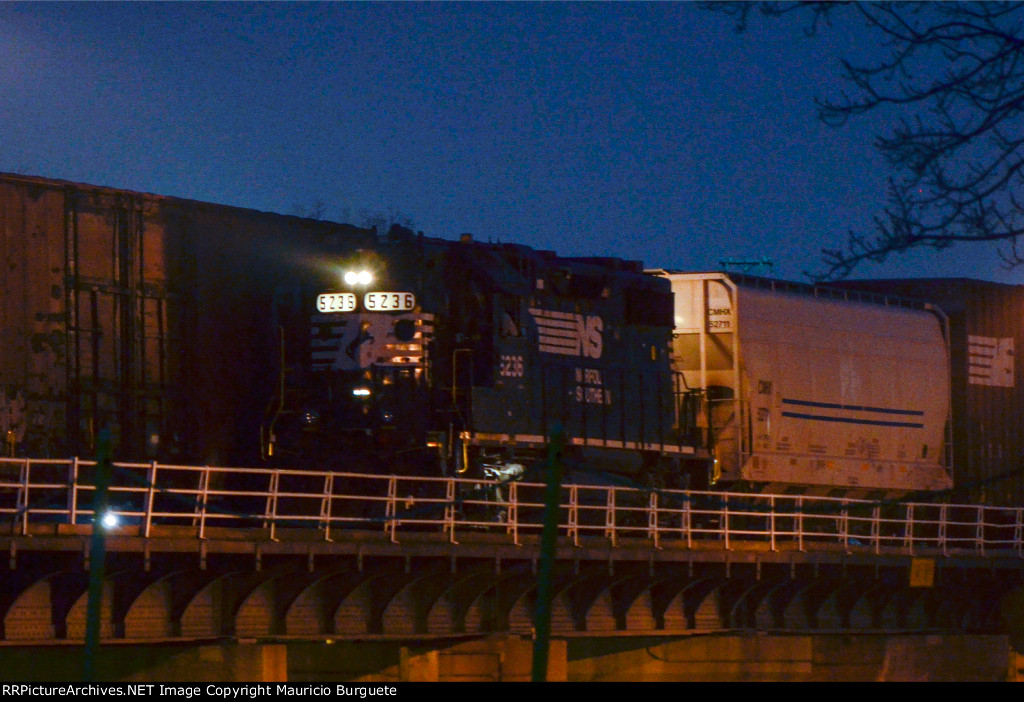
434,357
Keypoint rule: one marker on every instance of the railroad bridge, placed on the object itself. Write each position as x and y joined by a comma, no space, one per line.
206,554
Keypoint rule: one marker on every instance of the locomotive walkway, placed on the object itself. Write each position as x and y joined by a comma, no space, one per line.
207,553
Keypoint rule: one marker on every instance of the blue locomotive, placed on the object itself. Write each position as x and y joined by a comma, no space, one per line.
436,357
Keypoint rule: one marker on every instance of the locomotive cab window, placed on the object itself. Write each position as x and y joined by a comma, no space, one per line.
509,317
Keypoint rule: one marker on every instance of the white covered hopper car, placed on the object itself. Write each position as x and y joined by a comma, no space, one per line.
813,390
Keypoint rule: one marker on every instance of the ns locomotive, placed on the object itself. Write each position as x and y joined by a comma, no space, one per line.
436,357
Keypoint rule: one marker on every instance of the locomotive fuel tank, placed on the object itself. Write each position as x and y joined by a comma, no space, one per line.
812,389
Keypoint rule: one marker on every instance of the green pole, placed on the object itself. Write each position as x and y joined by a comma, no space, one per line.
548,541
97,553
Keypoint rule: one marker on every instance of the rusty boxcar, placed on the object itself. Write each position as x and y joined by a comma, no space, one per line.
150,315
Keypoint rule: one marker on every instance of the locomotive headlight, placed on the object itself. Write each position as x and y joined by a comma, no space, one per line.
109,520
362,277
361,392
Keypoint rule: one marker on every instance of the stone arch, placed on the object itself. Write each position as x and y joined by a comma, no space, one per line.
520,618
306,614
30,615
149,615
600,615
77,614
771,609
904,610
795,610
491,609
449,611
405,609
746,598
254,617
209,605
352,614
702,603
639,615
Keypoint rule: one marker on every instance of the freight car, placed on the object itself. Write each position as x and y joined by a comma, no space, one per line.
460,358
986,333
815,390
146,314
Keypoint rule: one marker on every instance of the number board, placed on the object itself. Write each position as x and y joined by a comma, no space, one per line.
336,302
389,301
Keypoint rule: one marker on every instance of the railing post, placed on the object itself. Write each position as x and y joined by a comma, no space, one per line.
204,489
609,516
876,527
23,495
771,522
844,521
327,504
688,519
73,490
908,529
943,516
1018,531
390,505
979,533
573,525
449,510
391,511
275,486
652,519
270,507
800,523
513,512
149,497
725,522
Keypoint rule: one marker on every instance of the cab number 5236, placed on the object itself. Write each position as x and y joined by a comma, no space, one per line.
511,366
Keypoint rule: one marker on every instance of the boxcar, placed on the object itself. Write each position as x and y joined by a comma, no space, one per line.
149,315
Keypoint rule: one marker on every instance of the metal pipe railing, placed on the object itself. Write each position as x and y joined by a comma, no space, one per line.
148,496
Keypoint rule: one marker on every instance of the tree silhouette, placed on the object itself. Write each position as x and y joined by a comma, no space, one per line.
954,72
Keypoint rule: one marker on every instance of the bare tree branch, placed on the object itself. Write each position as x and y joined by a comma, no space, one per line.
956,72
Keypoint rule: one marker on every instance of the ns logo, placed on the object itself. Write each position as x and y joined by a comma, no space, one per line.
569,333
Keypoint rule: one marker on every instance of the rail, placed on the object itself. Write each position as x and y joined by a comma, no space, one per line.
143,496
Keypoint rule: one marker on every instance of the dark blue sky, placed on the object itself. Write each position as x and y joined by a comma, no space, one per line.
648,131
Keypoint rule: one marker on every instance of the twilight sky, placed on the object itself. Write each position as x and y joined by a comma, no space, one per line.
648,131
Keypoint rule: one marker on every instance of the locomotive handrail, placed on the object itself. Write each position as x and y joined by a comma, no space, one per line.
147,496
